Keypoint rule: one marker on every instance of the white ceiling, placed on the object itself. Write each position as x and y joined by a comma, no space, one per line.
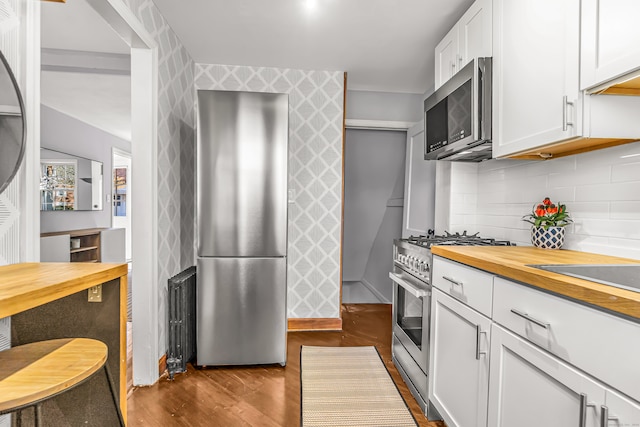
74,25
384,45
101,99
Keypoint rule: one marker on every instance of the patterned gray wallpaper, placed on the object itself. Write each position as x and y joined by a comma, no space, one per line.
175,143
315,175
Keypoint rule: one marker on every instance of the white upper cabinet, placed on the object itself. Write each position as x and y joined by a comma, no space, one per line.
610,40
536,98
446,57
539,109
468,39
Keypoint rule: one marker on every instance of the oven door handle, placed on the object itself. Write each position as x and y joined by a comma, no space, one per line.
413,290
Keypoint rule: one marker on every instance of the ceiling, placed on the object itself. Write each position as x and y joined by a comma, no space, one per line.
83,29
384,45
101,99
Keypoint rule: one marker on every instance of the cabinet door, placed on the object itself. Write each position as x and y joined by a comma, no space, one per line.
610,40
419,185
446,57
619,411
459,362
531,388
536,74
474,32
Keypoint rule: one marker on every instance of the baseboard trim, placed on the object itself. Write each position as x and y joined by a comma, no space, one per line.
162,364
374,291
315,324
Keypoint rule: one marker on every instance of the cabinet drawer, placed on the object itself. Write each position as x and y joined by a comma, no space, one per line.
466,284
605,346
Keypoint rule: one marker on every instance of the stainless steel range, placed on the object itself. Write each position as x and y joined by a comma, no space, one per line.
411,278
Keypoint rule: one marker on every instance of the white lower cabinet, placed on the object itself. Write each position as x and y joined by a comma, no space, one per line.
530,364
459,362
531,388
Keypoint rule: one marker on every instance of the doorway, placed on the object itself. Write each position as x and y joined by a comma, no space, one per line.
373,205
121,196
143,70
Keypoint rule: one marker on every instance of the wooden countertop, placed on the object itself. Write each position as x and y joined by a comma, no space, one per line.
511,262
28,285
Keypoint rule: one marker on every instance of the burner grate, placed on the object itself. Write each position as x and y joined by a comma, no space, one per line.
455,239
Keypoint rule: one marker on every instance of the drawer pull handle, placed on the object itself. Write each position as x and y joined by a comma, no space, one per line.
583,409
478,333
530,319
605,417
449,279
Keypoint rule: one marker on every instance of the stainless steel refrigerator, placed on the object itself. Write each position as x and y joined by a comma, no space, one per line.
241,222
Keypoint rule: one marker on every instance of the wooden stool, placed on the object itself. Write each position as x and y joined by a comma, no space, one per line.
33,373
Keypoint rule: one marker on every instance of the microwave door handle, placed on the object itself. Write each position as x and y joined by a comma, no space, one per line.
481,114
413,290
485,66
476,86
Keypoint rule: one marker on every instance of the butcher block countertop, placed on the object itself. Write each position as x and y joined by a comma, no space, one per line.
511,262
28,285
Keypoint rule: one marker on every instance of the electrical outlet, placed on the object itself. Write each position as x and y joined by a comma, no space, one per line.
95,294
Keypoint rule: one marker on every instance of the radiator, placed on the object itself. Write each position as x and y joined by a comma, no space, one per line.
182,321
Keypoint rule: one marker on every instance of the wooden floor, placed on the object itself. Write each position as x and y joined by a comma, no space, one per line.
261,396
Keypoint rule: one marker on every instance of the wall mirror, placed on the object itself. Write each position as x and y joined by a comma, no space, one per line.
69,182
12,125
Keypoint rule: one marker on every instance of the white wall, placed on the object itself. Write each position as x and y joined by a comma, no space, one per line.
63,133
600,188
374,187
386,106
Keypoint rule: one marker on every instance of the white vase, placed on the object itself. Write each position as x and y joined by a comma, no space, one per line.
550,238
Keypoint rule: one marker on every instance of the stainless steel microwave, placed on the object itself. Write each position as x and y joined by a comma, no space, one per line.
457,116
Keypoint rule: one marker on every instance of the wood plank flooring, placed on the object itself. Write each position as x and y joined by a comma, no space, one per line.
261,396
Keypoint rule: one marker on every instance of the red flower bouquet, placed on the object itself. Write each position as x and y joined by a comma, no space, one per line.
547,214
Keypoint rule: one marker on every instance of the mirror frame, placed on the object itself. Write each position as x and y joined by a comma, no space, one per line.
23,144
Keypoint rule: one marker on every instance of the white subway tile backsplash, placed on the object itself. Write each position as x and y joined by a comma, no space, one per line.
621,191
625,210
601,190
626,172
581,210
581,175
627,248
608,228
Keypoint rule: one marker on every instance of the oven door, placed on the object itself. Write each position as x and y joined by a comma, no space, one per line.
411,315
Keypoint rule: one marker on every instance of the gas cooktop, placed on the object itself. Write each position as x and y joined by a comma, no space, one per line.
456,239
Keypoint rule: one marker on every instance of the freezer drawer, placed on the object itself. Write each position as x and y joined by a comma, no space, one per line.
241,311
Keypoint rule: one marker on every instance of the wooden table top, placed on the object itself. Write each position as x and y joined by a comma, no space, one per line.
28,285
511,262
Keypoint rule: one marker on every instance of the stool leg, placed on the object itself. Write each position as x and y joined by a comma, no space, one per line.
18,416
113,395
38,414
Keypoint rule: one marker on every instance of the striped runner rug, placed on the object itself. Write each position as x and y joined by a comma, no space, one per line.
349,386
